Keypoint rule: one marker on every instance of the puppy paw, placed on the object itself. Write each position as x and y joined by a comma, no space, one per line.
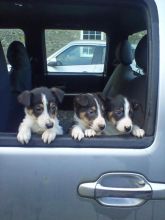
138,132
48,136
24,136
77,133
90,133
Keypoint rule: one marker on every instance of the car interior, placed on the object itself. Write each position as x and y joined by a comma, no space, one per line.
119,20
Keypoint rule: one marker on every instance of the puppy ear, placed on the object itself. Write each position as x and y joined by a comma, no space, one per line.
108,104
58,93
81,100
101,96
24,98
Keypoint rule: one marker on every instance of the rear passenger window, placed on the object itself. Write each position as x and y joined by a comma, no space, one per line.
75,51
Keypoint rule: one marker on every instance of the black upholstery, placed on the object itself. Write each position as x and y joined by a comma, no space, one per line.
20,74
137,88
4,92
124,53
123,72
20,80
141,54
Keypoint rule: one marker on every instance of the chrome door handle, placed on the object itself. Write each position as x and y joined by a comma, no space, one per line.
122,189
143,192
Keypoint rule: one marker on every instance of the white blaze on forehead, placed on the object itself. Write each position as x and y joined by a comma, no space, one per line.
97,104
98,108
99,120
126,107
44,102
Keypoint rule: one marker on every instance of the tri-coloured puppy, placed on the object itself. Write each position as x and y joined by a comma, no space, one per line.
88,116
120,113
41,105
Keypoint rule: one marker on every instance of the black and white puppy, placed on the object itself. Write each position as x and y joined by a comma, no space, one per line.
120,113
88,116
40,114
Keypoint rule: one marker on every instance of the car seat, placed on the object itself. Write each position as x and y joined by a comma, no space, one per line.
20,79
123,72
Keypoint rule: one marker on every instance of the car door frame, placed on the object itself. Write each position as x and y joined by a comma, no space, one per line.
40,182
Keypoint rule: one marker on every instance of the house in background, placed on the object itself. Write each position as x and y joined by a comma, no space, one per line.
92,35
56,39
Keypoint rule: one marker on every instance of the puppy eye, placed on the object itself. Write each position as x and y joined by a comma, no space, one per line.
53,107
91,112
119,112
38,109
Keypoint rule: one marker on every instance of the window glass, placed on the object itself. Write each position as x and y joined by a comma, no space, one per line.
75,51
134,40
76,55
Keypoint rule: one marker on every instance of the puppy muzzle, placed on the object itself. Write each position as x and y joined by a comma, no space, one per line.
99,124
124,125
128,129
49,125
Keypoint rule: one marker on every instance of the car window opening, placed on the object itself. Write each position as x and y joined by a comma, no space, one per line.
96,79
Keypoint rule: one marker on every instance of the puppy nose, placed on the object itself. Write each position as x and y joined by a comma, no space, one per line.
49,125
127,129
101,127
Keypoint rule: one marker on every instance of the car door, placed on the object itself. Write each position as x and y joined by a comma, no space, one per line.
99,58
73,68
77,58
82,180
84,183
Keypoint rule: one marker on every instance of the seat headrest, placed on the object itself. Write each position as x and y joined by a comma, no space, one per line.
124,53
20,73
141,54
17,54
